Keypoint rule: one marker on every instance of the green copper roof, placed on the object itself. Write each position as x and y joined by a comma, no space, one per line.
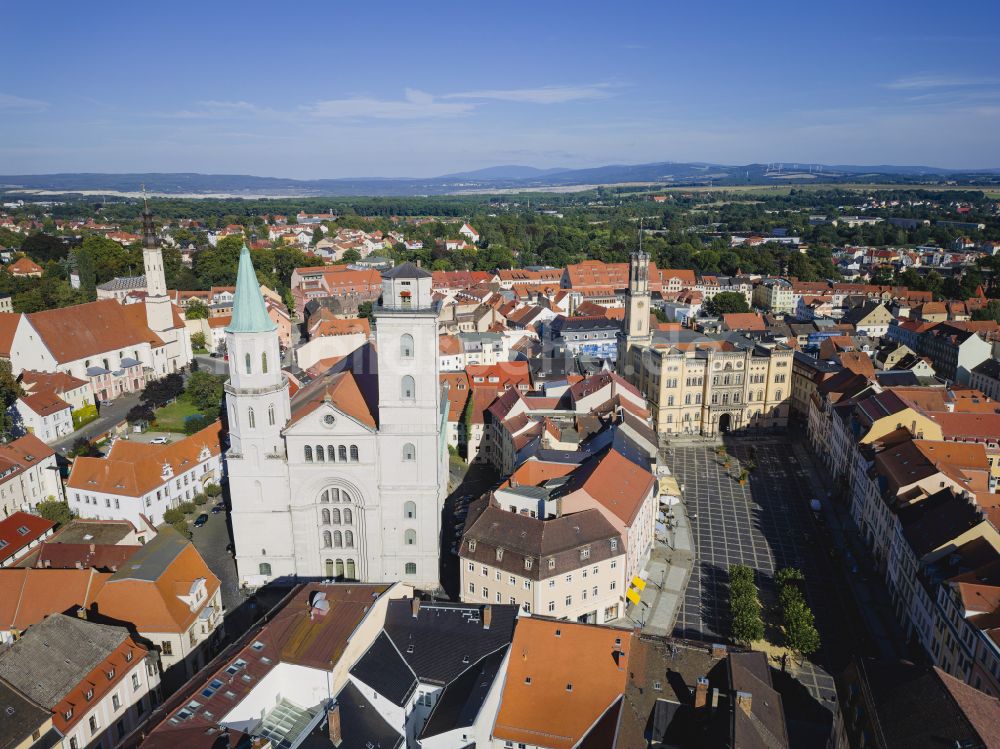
249,312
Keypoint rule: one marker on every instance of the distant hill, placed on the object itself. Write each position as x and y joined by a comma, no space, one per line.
492,179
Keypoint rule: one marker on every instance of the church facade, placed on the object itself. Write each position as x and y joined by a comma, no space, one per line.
347,477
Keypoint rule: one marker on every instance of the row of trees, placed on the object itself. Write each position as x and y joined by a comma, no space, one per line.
799,625
177,517
203,390
744,605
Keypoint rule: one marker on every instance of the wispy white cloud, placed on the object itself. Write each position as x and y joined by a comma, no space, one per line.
925,81
20,105
540,94
415,105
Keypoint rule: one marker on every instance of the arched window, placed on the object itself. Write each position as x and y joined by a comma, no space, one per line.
247,360
263,362
406,346
760,395
777,395
330,454
410,537
354,453
250,418
725,398
328,567
411,568
342,452
325,516
410,510
345,496
348,539
408,389
327,539
334,494
350,572
348,516
320,456
338,539
339,568
270,414
309,454
265,569
335,515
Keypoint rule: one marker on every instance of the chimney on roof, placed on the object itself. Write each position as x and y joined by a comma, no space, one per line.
415,606
47,563
487,616
81,613
79,564
744,701
92,548
333,724
718,650
701,692
715,698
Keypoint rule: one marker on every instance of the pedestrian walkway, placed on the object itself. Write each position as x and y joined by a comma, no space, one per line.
667,573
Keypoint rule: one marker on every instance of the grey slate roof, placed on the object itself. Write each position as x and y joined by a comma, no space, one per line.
384,670
445,639
123,283
152,560
361,726
460,702
19,716
56,654
406,270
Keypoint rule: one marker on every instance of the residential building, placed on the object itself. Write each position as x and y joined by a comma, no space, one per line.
43,414
985,377
569,567
29,474
550,667
25,267
877,708
336,281
138,480
73,390
595,337
95,680
25,724
20,533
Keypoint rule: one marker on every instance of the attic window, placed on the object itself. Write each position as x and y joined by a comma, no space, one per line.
527,563
258,646
472,544
527,679
558,633
111,674
499,555
657,686
569,687
128,657
68,715
23,530
552,563
89,695
409,648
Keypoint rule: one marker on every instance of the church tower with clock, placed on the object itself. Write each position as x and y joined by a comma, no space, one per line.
637,331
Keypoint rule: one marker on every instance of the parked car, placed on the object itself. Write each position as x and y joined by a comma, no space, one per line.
217,509
200,520
159,441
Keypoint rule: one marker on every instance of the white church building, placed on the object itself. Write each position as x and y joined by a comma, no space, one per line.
345,479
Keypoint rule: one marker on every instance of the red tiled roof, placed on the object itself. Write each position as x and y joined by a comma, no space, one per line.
19,530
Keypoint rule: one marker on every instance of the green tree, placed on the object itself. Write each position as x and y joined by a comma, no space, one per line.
204,391
351,256
10,391
56,511
198,340
365,310
88,275
84,448
196,310
44,247
196,422
746,623
213,490
726,302
989,312
317,236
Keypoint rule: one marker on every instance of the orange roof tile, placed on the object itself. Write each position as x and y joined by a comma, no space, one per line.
577,668
83,330
133,469
341,390
8,326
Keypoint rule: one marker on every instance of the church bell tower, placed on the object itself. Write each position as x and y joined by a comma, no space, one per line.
636,328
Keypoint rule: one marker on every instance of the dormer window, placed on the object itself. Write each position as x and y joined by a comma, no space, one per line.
552,563
89,695
472,544
128,657
527,563
111,674
499,555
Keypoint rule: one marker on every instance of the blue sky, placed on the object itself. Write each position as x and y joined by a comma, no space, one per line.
338,89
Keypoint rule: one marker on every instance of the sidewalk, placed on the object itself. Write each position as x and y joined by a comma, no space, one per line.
667,574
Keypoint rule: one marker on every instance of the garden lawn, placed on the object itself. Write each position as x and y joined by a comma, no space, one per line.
171,418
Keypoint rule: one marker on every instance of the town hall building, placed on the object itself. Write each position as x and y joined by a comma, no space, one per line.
347,477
